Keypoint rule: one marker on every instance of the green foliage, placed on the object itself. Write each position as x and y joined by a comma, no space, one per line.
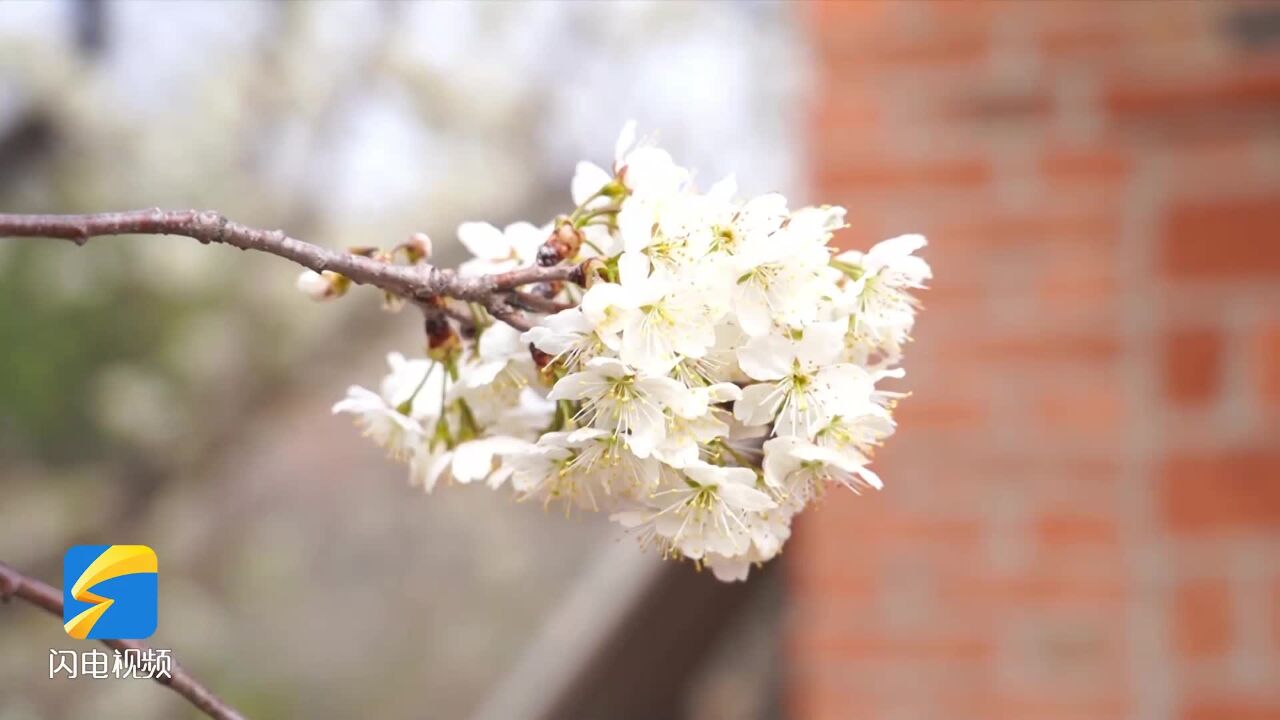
52,349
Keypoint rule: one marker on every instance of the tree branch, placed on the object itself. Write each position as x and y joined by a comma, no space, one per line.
415,282
15,584
499,308
536,303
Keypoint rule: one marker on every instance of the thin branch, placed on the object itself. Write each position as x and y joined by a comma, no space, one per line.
513,279
418,281
460,314
498,308
15,584
536,303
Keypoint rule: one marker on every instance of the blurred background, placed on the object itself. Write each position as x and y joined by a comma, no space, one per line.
1082,512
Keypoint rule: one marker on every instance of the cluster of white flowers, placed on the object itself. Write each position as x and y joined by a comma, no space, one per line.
717,372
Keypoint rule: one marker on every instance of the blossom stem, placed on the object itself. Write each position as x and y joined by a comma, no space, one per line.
852,271
583,219
577,211
733,453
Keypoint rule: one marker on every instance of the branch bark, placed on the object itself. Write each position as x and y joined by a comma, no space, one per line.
418,282
15,584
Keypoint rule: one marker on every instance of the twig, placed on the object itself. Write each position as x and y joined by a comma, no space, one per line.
15,584
498,308
536,303
459,314
415,282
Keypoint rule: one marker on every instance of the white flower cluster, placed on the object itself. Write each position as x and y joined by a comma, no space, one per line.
718,371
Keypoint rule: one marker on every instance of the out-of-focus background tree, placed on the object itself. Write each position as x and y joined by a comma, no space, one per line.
156,391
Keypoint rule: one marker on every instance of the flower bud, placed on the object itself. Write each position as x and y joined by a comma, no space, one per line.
588,272
540,359
617,187
392,303
322,286
417,248
442,341
564,243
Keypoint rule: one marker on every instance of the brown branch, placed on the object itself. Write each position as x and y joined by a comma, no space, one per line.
513,279
460,314
536,303
499,308
15,584
416,282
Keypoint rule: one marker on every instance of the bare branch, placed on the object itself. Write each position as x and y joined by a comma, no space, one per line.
498,308
415,282
536,303
529,275
15,584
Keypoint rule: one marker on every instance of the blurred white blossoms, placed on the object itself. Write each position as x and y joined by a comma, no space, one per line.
718,371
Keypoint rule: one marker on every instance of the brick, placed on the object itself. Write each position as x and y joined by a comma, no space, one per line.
1198,165
1232,709
1057,706
990,230
1094,408
887,647
1252,88
1266,363
1192,365
1048,347
1083,42
1045,589
1067,291
866,227
942,413
1101,35
1109,163
1003,106
1224,493
837,16
848,112
1224,239
1064,528
870,174
950,293
852,54
1202,618
1274,604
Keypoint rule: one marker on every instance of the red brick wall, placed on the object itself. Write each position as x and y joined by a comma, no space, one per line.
1082,511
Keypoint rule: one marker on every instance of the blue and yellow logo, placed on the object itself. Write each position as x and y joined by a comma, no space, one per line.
109,592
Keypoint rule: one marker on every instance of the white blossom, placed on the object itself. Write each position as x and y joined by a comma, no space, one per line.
499,250
389,417
625,403
386,425
801,384
878,299
567,336
589,468
704,511
480,459
801,469
718,372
